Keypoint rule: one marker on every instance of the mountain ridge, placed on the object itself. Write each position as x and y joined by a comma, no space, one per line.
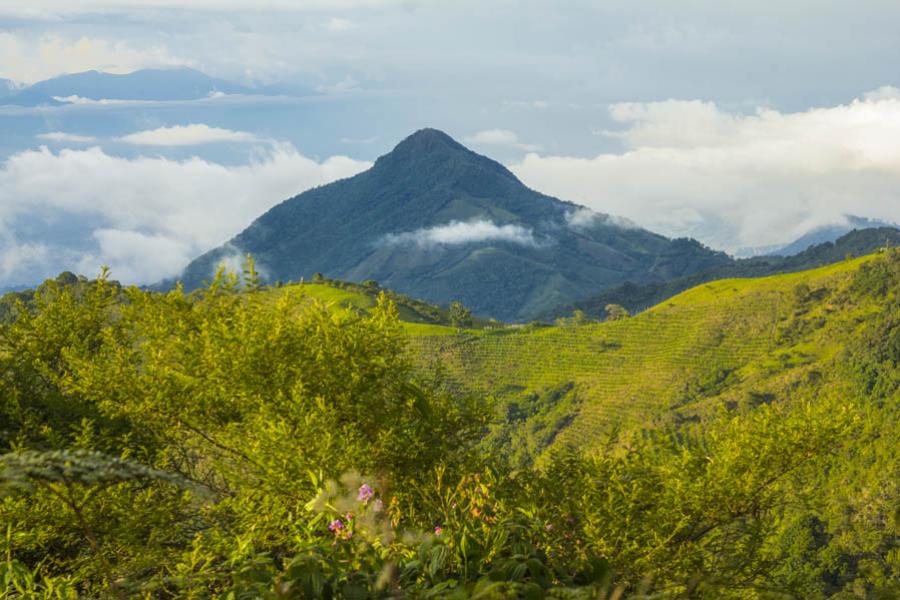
636,297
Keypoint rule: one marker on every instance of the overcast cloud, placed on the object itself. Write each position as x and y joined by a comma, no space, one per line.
733,180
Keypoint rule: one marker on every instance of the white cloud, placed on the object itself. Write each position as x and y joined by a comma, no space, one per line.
136,256
61,137
464,232
17,259
885,92
187,135
75,99
736,180
500,137
584,218
31,58
149,216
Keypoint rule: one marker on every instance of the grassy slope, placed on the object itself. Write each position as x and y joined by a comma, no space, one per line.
415,321
722,345
719,346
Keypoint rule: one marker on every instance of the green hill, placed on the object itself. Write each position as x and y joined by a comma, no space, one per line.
738,441
719,347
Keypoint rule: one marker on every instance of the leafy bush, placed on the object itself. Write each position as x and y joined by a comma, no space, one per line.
222,444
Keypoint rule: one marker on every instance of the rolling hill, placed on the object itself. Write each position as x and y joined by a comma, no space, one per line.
720,347
437,221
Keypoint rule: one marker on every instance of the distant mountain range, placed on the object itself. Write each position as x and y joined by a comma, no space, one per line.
146,84
437,221
828,233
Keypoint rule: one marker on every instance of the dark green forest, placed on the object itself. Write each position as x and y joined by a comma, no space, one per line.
232,443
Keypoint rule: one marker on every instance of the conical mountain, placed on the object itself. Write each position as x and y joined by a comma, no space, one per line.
437,221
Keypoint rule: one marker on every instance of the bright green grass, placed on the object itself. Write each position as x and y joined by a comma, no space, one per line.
330,295
646,370
711,344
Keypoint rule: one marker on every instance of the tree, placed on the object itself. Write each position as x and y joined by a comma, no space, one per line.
578,318
616,312
460,316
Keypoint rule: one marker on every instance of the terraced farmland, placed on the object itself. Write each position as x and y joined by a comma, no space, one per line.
648,370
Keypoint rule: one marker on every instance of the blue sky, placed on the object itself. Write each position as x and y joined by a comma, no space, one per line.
740,123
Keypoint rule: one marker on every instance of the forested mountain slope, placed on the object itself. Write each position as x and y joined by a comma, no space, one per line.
437,221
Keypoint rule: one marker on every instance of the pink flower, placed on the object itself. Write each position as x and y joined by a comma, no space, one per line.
365,493
340,530
438,530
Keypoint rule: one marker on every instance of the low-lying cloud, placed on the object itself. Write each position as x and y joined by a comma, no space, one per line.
735,180
464,232
145,217
585,218
194,134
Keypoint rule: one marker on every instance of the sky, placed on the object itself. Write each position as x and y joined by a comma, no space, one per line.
743,124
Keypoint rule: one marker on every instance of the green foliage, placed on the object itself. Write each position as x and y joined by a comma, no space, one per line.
243,442
460,316
578,318
615,312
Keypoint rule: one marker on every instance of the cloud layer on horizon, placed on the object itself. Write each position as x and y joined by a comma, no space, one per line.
147,216
735,180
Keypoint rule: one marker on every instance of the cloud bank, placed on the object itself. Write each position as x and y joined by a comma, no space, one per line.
187,135
464,232
735,180
144,217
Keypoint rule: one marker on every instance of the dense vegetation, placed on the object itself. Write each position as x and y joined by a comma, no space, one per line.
237,442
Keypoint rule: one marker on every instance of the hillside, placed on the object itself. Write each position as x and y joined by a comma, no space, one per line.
734,442
437,221
725,346
636,297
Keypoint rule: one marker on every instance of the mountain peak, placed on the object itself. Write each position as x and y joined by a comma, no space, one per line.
432,150
428,141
